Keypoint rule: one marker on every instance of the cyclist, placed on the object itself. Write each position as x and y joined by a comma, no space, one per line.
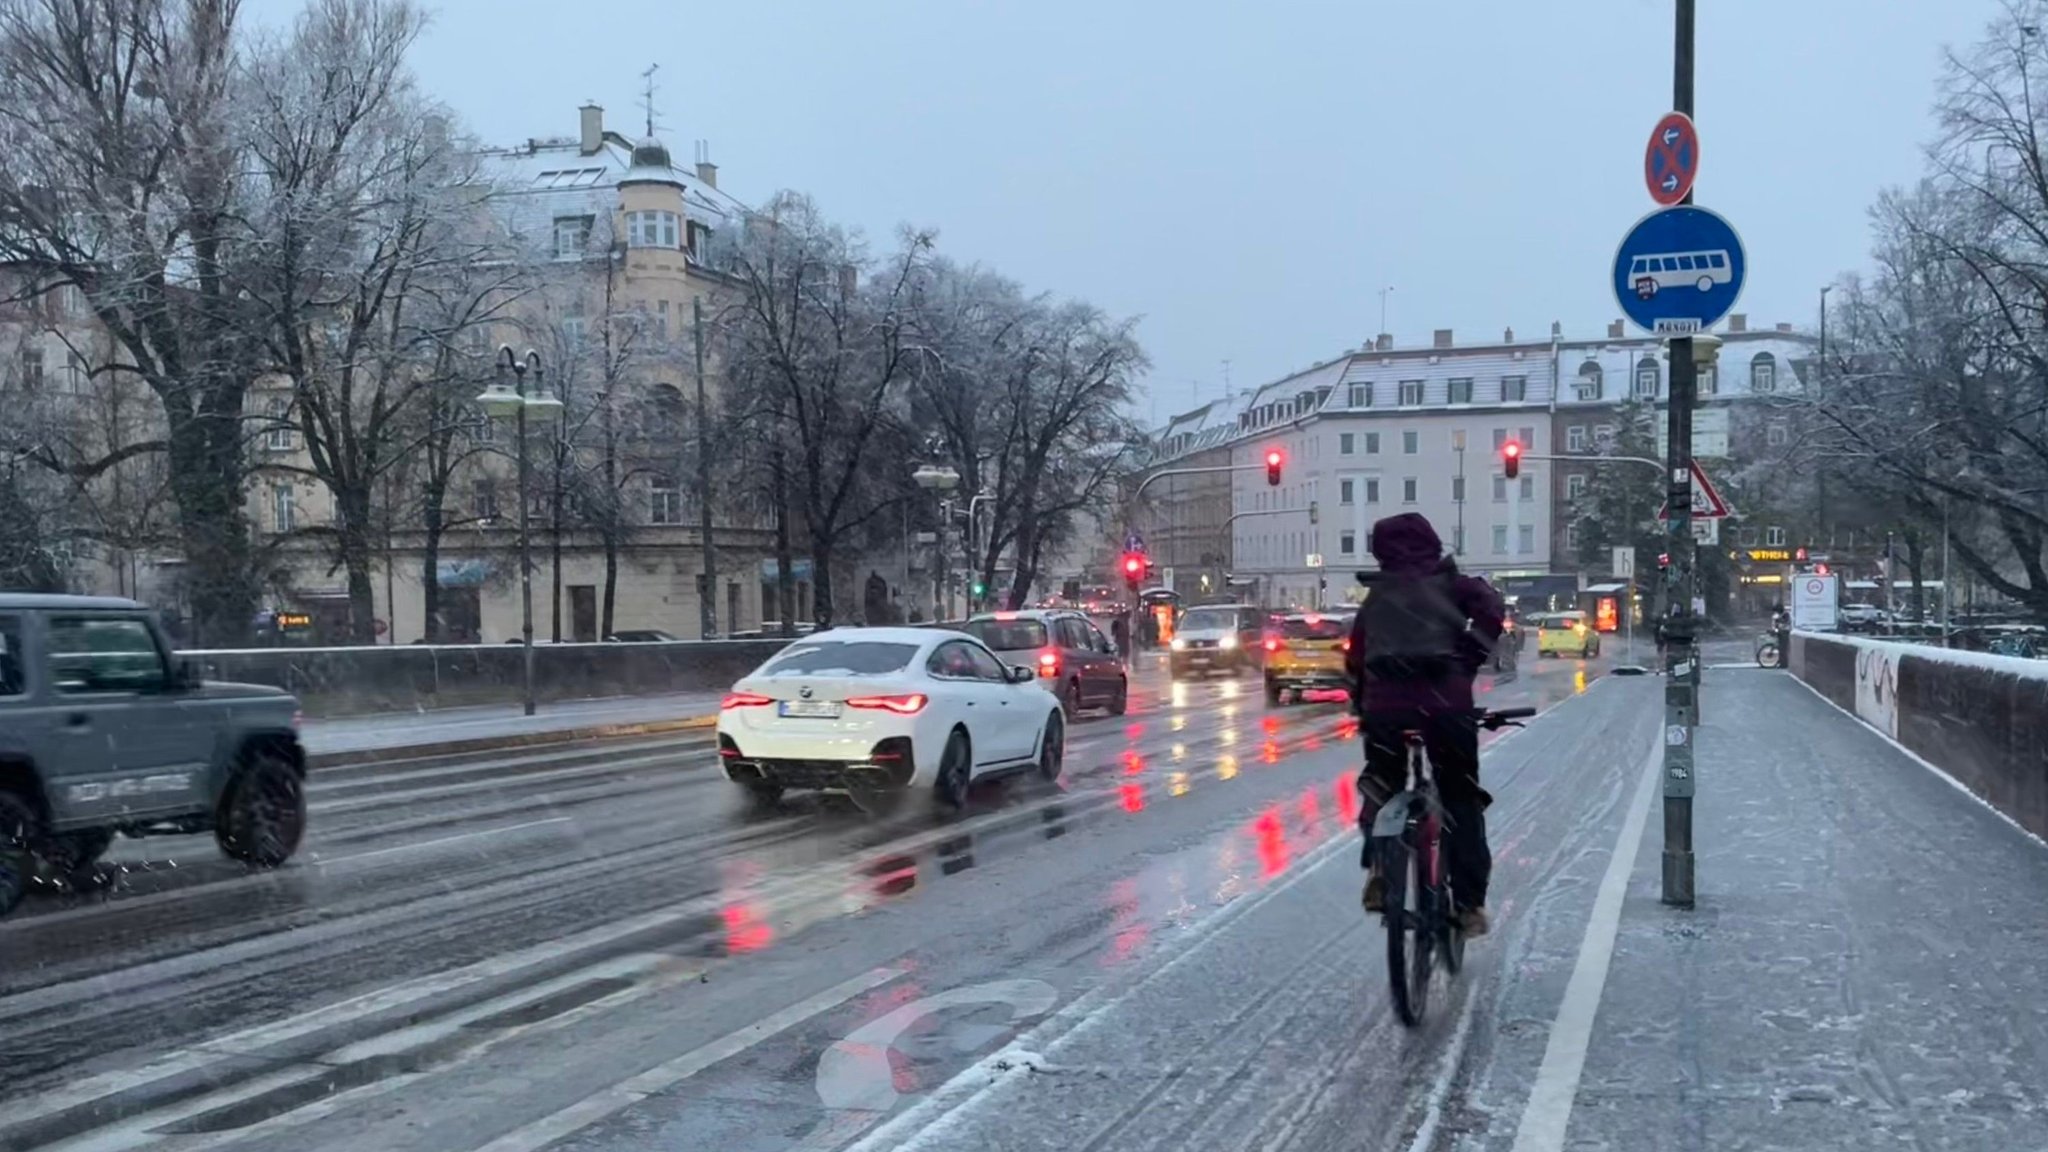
1416,645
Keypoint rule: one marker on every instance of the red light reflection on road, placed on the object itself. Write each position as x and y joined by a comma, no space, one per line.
1347,728
1312,744
1131,929
1133,763
1270,752
1311,808
1133,731
1271,832
1133,797
1269,724
745,931
1347,797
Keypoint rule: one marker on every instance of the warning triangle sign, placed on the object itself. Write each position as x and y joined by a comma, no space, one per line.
1706,500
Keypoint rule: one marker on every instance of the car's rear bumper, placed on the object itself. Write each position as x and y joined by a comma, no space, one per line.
1306,677
890,764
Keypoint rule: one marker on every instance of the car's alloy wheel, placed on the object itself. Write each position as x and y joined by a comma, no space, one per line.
1070,698
263,816
1052,747
1121,702
956,769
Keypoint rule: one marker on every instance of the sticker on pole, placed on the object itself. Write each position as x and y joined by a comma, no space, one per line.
1672,161
1679,270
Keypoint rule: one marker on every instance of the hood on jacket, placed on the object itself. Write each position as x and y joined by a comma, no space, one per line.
1406,543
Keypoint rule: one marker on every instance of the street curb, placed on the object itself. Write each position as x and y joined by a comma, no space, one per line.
354,756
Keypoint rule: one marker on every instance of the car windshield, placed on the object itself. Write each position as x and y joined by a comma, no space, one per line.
841,658
1209,620
1315,627
1008,635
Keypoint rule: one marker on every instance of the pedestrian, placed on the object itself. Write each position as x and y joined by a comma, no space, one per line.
1120,631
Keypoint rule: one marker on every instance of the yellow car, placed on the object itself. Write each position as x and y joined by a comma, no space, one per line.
1305,651
1566,634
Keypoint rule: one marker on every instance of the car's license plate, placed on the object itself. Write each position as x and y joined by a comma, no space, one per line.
826,709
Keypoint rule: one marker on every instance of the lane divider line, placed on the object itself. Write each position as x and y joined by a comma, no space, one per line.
437,842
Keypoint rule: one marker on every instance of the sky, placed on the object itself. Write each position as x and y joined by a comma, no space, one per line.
1247,178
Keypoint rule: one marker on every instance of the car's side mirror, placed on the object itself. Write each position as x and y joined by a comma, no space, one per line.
1019,674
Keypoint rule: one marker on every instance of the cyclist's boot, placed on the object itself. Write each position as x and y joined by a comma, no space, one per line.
1375,898
1472,921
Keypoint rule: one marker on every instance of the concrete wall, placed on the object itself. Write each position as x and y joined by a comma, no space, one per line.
351,681
1982,719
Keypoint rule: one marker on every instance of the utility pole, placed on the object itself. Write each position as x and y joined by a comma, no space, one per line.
707,605
1681,684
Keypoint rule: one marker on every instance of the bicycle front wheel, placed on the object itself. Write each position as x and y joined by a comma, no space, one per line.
1408,929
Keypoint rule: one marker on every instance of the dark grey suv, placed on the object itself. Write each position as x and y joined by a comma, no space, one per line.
104,730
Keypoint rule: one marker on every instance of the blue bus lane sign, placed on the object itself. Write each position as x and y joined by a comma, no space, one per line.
1679,270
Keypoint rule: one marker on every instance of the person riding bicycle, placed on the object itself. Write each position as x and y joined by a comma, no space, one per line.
1416,646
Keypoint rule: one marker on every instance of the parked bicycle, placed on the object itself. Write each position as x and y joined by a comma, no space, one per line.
1407,841
1767,653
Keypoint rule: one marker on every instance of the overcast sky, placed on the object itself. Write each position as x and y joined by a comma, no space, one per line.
1247,177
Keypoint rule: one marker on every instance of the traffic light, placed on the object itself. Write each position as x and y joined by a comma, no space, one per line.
1134,568
1511,458
1663,560
1820,569
1273,462
979,589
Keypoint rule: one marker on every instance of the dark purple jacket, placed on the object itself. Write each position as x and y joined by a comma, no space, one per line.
1408,544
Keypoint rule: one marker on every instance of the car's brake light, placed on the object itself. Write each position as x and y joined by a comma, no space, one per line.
901,705
1006,615
1312,619
1346,645
1048,663
743,700
1272,645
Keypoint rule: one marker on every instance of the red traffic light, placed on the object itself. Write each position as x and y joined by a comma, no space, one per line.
1820,569
1133,566
1273,462
1511,458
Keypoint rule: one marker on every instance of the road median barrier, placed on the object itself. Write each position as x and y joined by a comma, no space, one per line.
1981,719
506,741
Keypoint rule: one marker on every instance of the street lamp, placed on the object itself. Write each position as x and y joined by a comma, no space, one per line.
507,395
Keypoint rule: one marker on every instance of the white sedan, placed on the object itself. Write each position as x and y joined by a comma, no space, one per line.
880,712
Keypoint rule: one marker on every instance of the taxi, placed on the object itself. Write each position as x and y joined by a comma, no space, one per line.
1305,652
1566,634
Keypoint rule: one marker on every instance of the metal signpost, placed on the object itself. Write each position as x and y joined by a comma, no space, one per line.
1676,273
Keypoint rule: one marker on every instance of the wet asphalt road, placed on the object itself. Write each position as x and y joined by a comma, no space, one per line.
598,948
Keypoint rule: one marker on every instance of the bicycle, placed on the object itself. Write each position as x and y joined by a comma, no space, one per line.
1407,840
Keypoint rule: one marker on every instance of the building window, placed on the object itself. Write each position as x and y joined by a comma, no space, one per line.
1500,437
1411,442
1347,542
483,501
278,437
483,430
74,371
1646,380
573,331
572,236
1411,393
1500,489
1525,544
1458,489
281,510
1590,378
1347,443
31,368
1763,373
1408,490
1461,390
700,241
1372,443
1603,436
1361,394
1571,537
1372,491
1500,539
664,501
1514,389
652,230
1575,438
1528,487
1774,537
1707,382
1526,437
1776,434
1346,489
1574,486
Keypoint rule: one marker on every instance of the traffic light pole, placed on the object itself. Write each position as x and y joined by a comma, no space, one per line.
1681,681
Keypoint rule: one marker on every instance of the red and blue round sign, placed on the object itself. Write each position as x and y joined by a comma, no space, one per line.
1672,160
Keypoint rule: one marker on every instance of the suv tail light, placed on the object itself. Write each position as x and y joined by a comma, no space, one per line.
903,705
743,700
1048,663
1272,644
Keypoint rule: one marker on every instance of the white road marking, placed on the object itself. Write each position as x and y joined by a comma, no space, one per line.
608,1101
1445,1075
1549,1110
419,844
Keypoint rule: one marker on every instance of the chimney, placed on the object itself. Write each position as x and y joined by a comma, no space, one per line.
1508,337
1382,342
1784,327
1442,338
1615,330
707,172
593,128
1557,329
1737,322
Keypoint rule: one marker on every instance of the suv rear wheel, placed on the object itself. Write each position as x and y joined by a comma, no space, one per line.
20,827
263,814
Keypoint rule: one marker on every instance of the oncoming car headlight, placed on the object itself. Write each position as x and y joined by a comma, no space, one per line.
1228,641
1180,644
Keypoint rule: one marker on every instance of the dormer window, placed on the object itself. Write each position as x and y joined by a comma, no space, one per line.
653,229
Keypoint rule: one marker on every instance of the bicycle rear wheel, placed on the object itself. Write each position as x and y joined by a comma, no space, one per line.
1409,931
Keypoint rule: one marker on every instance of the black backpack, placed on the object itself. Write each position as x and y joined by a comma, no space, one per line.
1412,627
